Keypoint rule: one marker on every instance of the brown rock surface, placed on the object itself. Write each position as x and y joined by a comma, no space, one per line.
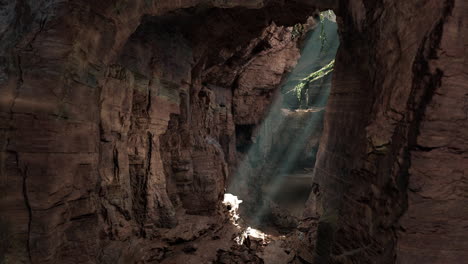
118,124
117,118
394,142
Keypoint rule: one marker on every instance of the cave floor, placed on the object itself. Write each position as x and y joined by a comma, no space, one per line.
204,239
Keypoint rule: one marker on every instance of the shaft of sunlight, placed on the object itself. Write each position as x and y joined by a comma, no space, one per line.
316,60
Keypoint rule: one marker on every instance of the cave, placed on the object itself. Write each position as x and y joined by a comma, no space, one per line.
233,131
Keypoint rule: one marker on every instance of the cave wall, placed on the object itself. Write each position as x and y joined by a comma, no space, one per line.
106,133
119,116
390,174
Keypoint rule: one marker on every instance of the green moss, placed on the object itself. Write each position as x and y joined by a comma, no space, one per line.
297,31
324,71
323,35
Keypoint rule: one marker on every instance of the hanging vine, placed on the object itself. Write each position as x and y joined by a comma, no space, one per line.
301,88
329,15
323,35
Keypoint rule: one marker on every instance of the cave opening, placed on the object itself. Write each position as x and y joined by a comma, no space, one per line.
251,112
124,123
274,178
181,106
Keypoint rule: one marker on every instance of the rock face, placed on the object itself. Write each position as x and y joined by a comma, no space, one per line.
392,164
119,117
121,122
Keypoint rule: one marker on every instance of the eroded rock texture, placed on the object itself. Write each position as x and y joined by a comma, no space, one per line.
392,164
120,123
118,118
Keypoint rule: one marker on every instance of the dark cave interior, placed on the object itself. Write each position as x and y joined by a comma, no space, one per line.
241,131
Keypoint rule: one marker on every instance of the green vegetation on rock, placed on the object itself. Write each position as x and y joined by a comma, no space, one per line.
324,71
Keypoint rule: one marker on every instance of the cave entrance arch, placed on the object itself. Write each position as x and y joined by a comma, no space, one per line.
103,146
145,120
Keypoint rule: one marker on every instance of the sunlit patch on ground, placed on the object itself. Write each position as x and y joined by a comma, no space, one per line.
232,203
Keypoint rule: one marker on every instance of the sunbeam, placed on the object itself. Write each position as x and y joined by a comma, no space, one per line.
301,104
